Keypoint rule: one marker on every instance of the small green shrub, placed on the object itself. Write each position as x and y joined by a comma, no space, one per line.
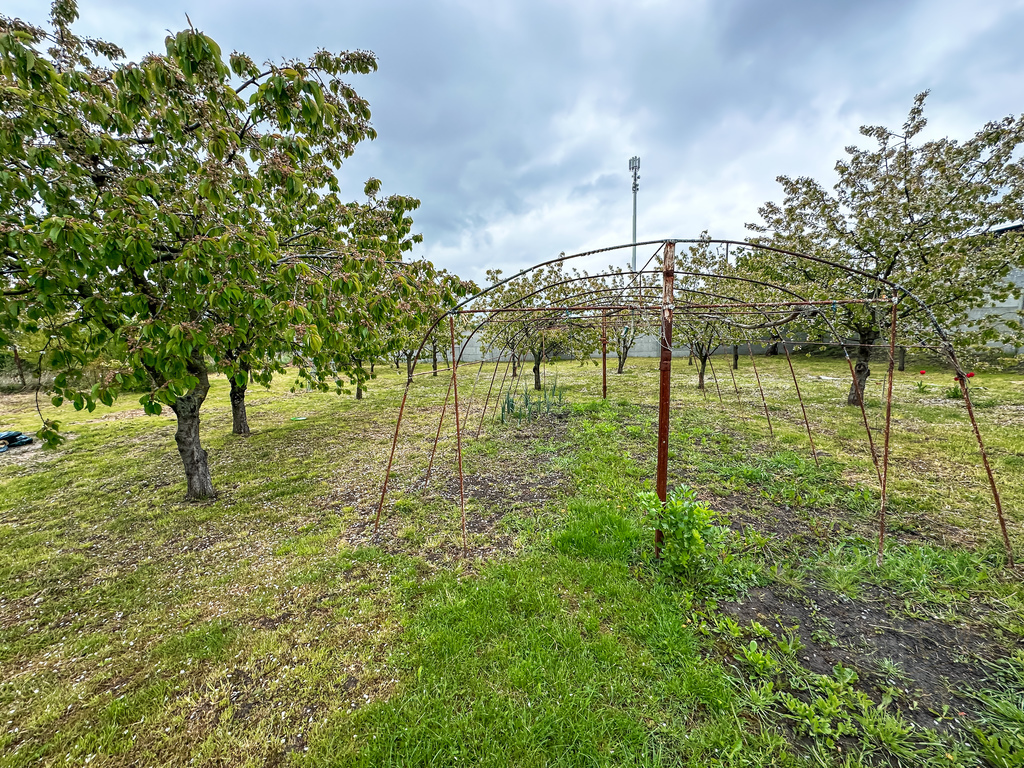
686,524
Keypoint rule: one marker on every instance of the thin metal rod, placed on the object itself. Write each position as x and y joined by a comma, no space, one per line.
764,403
501,387
431,372
781,305
796,384
962,380
715,377
885,447
604,352
665,383
391,458
735,388
961,377
700,384
472,392
555,309
864,415
437,437
543,364
458,437
487,399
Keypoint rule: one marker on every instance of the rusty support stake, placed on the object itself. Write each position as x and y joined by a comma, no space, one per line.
487,399
437,437
458,437
961,378
391,458
665,383
864,415
735,388
715,377
702,387
472,392
807,424
604,357
885,447
760,389
501,388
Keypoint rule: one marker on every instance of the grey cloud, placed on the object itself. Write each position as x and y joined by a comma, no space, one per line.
513,121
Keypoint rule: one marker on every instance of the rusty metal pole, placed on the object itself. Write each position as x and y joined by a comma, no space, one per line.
487,399
604,357
864,417
885,447
472,392
760,389
501,388
391,458
799,397
733,375
961,379
715,377
668,276
437,437
458,436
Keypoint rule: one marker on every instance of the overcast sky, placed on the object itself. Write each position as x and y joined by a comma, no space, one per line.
514,122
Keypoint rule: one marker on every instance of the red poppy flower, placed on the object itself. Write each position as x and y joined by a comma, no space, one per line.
922,373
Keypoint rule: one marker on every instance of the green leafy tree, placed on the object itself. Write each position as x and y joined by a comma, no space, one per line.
930,216
624,327
544,334
326,243
145,210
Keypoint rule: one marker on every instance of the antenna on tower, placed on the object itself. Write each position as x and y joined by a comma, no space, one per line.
634,166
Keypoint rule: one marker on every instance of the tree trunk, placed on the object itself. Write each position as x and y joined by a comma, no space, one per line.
372,363
193,457
515,369
21,367
623,352
700,374
862,370
536,371
735,357
359,387
433,355
239,417
772,349
689,358
408,367
902,359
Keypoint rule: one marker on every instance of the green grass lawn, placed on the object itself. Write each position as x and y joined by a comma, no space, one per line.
274,627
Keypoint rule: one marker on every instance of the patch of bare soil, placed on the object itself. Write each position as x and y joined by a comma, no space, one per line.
31,454
495,495
933,663
514,480
504,491
783,522
819,527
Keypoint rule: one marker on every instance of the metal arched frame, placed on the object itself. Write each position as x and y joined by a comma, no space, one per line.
667,306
